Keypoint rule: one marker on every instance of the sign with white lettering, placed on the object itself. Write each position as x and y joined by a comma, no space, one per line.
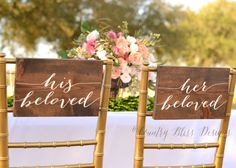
53,87
191,92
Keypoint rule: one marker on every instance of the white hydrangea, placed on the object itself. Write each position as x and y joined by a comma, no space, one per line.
92,36
133,48
102,54
131,39
126,78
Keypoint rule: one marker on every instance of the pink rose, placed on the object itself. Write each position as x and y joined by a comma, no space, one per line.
90,47
136,58
126,56
134,71
119,34
92,43
143,49
112,35
121,61
116,50
125,69
116,72
122,45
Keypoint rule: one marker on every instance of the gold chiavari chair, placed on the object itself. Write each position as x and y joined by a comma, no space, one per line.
100,132
140,145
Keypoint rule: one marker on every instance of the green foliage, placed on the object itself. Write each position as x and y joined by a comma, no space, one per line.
124,28
128,104
10,101
85,27
63,54
124,104
209,36
25,22
150,104
60,21
206,38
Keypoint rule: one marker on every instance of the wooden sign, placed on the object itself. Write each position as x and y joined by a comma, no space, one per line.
53,87
191,92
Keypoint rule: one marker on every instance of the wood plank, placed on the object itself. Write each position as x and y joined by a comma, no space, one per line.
191,92
53,87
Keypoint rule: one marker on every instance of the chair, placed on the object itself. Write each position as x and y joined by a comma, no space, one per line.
101,125
206,113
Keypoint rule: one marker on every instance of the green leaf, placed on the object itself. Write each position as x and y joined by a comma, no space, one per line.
85,27
128,104
63,54
10,101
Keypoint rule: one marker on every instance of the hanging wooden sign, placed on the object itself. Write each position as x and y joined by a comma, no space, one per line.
191,92
53,87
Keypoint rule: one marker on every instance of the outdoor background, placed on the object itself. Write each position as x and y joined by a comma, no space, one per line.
195,33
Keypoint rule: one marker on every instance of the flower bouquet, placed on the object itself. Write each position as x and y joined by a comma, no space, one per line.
128,52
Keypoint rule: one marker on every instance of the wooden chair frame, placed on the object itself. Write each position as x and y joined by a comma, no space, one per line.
141,120
100,132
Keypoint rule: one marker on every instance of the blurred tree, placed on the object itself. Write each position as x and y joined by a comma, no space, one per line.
203,38
209,36
58,21
25,22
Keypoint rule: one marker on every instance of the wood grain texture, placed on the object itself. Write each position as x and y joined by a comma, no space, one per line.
72,82
185,87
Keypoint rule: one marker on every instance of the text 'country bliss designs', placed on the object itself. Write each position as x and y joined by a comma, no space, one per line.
50,99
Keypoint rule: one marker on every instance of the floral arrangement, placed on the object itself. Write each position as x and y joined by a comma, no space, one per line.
128,52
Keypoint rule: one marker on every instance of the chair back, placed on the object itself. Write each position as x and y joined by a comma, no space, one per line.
186,93
54,87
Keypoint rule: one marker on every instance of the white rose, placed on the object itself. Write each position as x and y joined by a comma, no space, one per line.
152,60
101,54
126,78
92,36
131,39
152,76
133,48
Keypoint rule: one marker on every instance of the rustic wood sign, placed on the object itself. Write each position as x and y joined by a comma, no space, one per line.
53,87
191,92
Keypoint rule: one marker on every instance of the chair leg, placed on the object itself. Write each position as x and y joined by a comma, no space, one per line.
224,126
101,127
3,115
141,119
